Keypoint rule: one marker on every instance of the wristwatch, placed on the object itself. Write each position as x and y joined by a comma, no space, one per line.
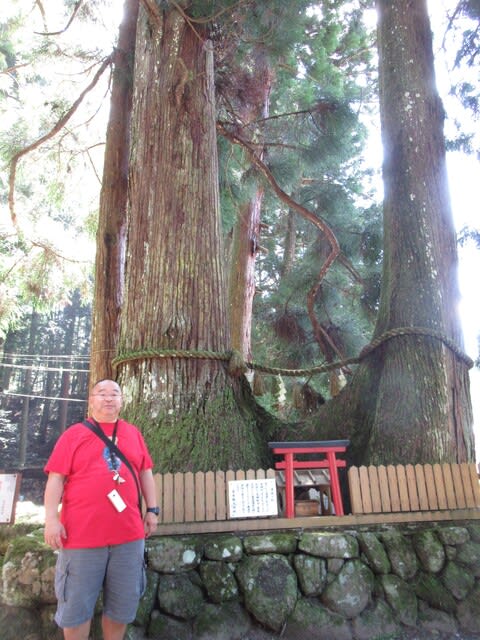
155,510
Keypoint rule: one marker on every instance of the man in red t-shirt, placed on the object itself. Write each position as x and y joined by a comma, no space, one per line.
99,531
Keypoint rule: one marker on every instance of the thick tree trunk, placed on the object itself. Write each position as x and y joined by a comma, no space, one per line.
431,418
111,232
409,401
175,295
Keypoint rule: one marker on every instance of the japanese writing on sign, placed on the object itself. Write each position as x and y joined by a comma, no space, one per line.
252,498
9,484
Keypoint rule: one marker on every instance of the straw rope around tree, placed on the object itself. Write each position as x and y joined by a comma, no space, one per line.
237,366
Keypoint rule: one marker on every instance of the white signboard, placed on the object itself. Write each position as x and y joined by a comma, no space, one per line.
9,488
252,498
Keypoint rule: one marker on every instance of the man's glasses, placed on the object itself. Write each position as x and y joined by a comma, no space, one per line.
107,395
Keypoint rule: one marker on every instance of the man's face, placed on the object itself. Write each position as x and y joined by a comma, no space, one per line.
105,401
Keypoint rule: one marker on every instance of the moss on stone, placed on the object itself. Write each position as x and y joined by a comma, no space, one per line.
430,589
23,544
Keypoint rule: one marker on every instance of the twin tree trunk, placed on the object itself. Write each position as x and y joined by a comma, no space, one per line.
174,281
409,399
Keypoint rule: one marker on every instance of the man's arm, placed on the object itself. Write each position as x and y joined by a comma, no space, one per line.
150,496
54,529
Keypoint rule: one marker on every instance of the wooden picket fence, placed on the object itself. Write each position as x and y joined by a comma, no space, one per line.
200,497
410,488
198,502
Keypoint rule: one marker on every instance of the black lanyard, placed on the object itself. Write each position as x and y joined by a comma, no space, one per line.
113,457
115,451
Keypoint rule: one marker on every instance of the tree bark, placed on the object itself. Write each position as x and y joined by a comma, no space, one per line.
419,286
111,232
175,294
246,235
409,401
250,106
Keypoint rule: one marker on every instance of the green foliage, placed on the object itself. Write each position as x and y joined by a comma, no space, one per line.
48,248
313,140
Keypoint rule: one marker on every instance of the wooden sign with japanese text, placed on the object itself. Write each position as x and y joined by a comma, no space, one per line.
252,498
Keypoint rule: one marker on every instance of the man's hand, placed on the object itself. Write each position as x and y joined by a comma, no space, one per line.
54,532
150,524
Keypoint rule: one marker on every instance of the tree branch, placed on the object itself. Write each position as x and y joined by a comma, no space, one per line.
305,213
77,6
56,128
308,215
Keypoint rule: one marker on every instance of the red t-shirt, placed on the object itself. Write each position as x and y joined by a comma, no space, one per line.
89,517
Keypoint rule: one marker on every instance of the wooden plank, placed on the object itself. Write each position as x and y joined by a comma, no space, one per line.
229,475
189,497
449,490
365,489
421,487
403,488
384,489
200,509
220,496
440,486
375,489
209,495
178,498
354,489
251,474
168,497
240,475
271,473
461,502
412,487
158,480
475,483
393,488
430,485
467,485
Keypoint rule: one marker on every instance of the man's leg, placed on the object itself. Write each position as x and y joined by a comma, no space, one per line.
78,580
122,588
112,630
77,633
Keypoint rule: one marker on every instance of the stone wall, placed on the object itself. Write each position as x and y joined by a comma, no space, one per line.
377,583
